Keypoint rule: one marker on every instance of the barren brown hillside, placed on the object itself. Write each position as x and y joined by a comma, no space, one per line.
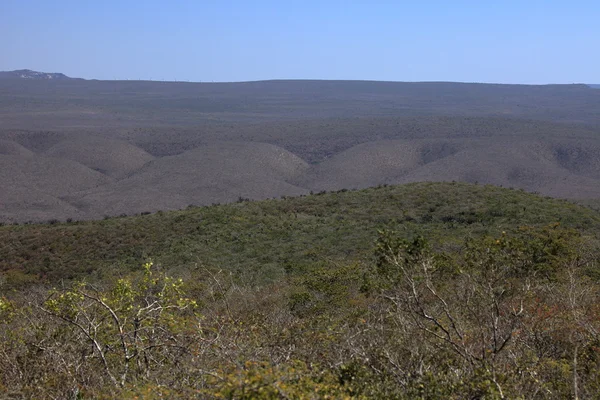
85,149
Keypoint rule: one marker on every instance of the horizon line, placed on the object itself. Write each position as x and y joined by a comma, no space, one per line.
302,80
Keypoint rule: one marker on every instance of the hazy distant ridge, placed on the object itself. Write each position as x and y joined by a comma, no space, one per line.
74,148
34,75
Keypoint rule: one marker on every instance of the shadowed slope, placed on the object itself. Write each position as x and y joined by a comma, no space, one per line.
54,176
581,157
31,187
115,158
553,168
526,165
30,204
10,148
212,173
373,163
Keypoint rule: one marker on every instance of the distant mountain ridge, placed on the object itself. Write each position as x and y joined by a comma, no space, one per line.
84,149
35,75
594,86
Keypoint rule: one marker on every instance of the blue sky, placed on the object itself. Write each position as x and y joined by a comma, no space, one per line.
506,41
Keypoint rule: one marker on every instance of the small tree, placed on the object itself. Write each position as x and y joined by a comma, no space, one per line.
471,305
134,326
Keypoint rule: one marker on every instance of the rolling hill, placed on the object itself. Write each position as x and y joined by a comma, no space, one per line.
72,148
114,158
338,294
258,239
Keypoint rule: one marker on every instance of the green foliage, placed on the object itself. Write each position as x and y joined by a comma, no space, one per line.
255,240
293,380
324,287
129,324
394,253
321,308
474,303
7,310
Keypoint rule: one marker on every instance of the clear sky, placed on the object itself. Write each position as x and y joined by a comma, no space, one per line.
504,41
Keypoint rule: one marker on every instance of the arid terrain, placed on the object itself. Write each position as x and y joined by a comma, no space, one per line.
85,149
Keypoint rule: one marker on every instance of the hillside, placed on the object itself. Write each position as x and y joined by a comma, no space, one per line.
89,176
87,149
123,103
257,239
339,295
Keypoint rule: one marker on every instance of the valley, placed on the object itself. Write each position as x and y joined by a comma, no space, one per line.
77,149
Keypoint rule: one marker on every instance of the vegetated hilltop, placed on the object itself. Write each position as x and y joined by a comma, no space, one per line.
431,290
258,239
125,147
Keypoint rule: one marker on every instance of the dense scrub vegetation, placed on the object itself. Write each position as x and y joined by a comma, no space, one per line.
264,239
418,291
